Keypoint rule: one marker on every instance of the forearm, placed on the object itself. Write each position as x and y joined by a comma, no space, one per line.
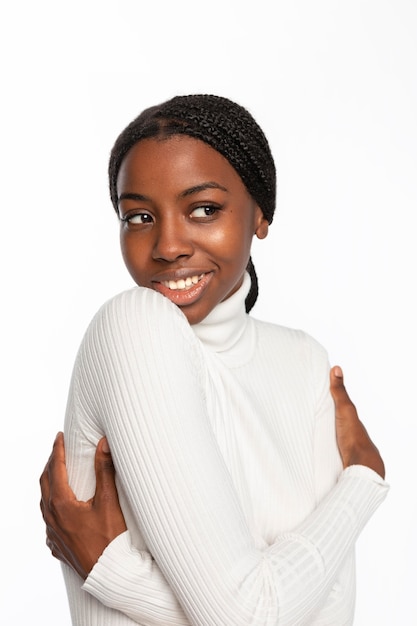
180,490
129,580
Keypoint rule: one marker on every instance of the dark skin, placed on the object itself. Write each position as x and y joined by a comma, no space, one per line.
78,532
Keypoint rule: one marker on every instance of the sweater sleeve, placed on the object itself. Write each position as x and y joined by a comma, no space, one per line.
140,378
129,580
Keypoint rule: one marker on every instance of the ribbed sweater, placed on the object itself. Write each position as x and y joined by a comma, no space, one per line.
223,439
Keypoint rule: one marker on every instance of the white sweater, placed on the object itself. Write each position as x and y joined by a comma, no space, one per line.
224,446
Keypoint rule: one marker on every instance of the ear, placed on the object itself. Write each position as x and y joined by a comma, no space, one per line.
261,224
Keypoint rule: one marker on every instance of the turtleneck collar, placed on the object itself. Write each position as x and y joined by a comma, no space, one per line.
227,330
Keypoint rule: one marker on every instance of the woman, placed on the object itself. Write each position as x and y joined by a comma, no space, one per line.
221,427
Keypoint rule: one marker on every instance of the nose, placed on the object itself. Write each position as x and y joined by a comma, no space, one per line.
172,241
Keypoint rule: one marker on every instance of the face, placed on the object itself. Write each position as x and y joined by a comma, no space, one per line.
187,222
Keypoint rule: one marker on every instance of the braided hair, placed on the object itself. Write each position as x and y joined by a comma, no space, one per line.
222,124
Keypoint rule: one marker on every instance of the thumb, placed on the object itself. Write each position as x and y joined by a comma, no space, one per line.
337,387
105,472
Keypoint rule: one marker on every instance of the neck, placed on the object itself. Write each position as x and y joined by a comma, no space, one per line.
223,330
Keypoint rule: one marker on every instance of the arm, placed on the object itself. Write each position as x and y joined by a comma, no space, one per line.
78,533
177,485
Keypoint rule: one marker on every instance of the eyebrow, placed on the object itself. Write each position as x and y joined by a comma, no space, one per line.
187,192
133,196
202,187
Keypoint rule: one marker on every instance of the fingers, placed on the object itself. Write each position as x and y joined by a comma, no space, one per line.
57,469
337,387
355,445
336,379
345,410
54,480
337,372
55,466
44,480
55,446
105,473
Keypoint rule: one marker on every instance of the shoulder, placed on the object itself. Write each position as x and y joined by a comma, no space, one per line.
293,356
139,305
286,339
136,320
138,301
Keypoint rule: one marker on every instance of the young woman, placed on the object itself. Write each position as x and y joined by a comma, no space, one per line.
235,507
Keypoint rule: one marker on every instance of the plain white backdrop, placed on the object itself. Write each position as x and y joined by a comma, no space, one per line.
334,85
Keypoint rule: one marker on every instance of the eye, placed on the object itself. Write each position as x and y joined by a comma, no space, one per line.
205,211
138,218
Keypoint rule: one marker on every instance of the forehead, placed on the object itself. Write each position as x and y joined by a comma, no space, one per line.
179,159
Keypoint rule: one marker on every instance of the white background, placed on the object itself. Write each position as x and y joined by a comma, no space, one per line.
334,85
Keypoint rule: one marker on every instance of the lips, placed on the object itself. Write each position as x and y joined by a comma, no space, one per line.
185,289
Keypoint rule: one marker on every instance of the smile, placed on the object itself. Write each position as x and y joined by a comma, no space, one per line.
184,291
182,283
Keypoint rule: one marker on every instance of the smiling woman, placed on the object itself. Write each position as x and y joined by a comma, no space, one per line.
234,505
187,222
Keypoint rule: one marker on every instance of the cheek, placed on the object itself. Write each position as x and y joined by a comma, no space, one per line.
133,254
124,249
232,245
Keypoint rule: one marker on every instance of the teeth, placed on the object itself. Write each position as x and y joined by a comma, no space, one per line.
182,283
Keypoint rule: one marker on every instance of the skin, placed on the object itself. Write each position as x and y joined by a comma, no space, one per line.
77,532
184,212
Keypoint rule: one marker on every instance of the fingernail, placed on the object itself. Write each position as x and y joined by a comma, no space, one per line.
338,372
57,436
105,446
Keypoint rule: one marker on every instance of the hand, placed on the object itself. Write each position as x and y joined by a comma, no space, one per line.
77,532
355,445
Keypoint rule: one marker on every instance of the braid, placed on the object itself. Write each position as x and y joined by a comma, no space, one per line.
222,124
254,288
